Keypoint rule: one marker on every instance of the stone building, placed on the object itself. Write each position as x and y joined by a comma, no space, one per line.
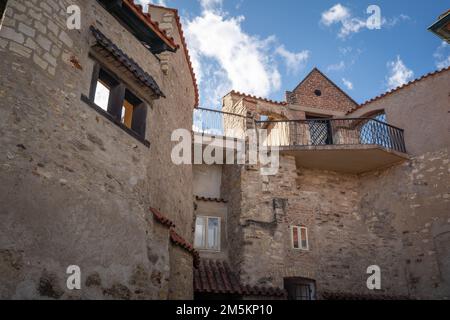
358,186
80,171
86,120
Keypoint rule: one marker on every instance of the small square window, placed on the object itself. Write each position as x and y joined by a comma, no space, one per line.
207,233
299,237
121,104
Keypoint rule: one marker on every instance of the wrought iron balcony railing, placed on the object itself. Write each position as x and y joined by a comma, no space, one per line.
315,132
219,123
322,132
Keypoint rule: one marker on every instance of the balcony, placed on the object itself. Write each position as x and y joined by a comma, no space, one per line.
215,123
350,145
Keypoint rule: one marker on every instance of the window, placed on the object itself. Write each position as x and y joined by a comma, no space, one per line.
318,92
299,288
207,233
118,102
299,238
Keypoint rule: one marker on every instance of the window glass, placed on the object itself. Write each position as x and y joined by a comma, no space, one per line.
213,233
295,237
200,236
127,114
102,96
304,238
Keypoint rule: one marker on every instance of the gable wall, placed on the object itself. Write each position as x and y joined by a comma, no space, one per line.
331,99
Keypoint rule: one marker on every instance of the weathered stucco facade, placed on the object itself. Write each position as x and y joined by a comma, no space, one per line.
76,189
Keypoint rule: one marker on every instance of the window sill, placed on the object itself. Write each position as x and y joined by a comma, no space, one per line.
209,250
102,112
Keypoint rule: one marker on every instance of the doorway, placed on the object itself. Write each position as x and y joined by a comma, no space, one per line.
320,130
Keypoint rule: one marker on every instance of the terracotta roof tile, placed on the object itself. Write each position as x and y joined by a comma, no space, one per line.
244,95
175,237
186,50
399,88
154,25
214,276
182,243
161,218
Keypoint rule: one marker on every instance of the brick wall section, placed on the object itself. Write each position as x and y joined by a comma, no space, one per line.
75,187
332,98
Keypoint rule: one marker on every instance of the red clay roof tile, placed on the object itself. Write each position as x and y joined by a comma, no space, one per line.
162,219
399,88
244,95
213,276
146,17
186,50
174,236
182,243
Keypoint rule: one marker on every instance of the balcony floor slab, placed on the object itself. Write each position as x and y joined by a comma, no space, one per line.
355,159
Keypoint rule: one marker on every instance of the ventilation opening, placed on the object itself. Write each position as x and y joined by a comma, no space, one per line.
318,93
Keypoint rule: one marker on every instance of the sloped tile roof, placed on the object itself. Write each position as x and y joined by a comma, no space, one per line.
175,238
154,25
182,243
431,74
213,276
126,61
162,219
248,96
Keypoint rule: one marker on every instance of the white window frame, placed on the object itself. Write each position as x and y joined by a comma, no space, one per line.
204,248
299,231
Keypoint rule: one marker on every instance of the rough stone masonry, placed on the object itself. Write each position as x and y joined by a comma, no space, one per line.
76,188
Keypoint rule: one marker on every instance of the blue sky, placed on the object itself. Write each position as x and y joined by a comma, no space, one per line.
268,47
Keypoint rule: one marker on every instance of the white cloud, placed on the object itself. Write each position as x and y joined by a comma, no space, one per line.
399,74
225,57
442,56
211,4
336,67
294,61
348,84
339,14
335,14
345,50
395,20
350,26
144,3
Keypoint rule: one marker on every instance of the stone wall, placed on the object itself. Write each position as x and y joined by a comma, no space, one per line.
415,197
75,187
342,240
